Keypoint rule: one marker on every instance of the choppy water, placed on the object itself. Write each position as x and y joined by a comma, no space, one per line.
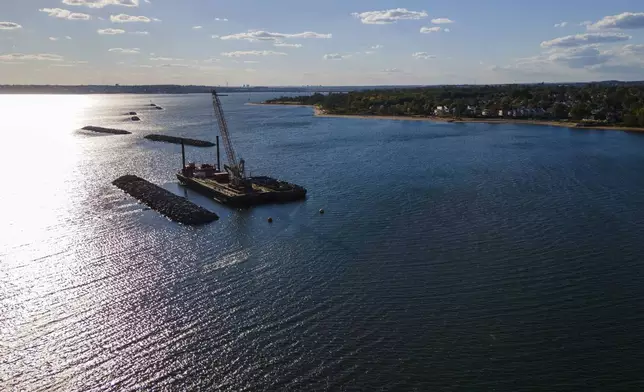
450,257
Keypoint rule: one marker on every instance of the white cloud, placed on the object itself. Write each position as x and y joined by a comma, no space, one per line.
9,26
123,18
584,39
164,59
579,57
65,14
259,35
287,45
102,3
68,37
156,19
125,51
53,39
110,31
447,30
442,21
221,19
376,47
250,62
625,20
389,16
637,50
561,24
253,53
336,56
428,30
147,1
197,27
35,57
139,32
215,36
392,70
586,23
423,55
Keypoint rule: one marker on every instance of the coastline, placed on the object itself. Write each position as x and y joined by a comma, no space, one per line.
317,112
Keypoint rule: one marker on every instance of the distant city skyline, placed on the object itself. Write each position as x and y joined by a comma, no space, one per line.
284,42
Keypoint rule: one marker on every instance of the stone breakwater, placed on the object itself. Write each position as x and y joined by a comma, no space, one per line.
178,140
167,203
106,130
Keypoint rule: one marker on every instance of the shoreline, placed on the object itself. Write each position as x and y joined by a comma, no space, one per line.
317,112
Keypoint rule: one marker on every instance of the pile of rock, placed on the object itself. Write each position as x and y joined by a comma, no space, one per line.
165,202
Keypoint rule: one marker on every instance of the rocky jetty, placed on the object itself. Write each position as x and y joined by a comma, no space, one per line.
165,202
178,140
106,130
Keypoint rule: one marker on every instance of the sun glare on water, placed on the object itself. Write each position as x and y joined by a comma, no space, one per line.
38,151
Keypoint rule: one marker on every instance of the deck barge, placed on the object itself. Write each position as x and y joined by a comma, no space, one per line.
261,190
230,185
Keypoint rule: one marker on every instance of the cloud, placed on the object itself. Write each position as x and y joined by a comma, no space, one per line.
215,36
376,47
35,57
125,51
9,26
585,39
68,37
635,50
625,20
253,53
259,35
102,3
336,56
442,21
579,57
197,27
123,18
139,32
562,24
174,65
428,30
447,30
65,14
392,70
110,31
423,55
287,45
586,23
164,59
221,19
250,62
53,39
147,1
389,16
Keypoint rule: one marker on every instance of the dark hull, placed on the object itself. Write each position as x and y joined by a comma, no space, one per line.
225,195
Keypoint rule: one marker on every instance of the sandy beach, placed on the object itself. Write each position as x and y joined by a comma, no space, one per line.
317,112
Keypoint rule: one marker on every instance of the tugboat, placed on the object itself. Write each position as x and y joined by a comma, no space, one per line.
231,186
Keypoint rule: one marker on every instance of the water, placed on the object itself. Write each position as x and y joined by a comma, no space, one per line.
451,256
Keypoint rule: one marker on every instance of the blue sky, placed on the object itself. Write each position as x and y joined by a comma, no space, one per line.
295,42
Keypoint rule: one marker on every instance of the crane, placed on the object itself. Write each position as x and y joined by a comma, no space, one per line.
235,168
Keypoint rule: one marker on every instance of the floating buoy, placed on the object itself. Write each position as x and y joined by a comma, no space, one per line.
321,211
270,220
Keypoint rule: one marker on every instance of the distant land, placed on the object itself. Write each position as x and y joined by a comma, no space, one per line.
191,89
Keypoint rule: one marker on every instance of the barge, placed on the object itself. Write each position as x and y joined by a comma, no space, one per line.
231,186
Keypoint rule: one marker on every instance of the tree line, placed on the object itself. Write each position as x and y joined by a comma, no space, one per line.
613,103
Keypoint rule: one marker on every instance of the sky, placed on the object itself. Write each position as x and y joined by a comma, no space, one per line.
333,42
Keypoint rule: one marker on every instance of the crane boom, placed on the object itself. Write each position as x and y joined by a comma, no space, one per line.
234,167
223,128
